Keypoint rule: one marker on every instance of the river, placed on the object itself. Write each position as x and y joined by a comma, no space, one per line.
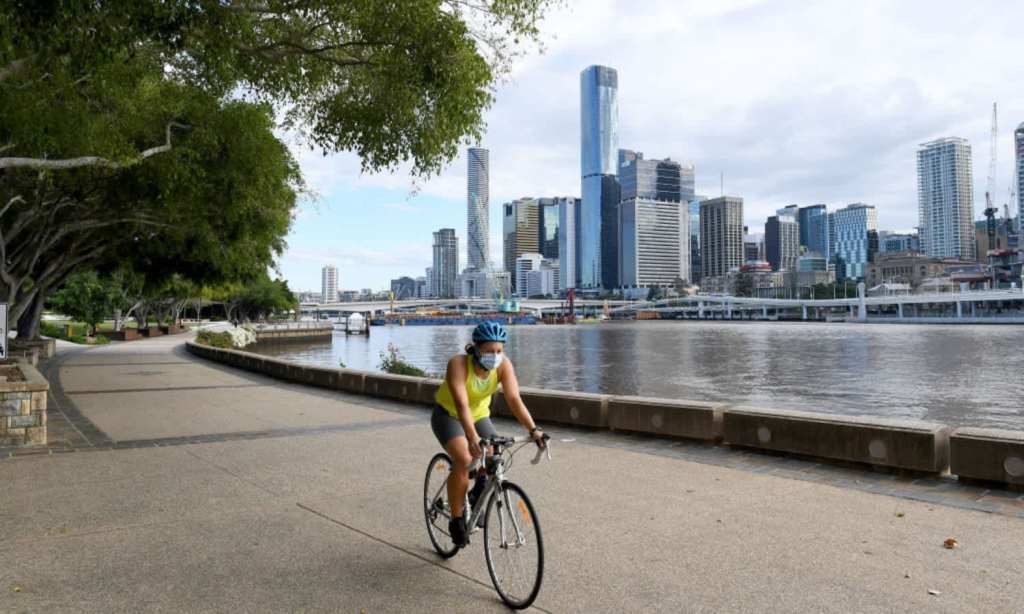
958,375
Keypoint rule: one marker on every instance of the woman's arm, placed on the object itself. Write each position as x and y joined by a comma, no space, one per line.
456,378
510,385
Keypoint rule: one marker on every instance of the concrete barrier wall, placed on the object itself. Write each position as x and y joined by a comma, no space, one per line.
991,455
904,444
675,418
994,456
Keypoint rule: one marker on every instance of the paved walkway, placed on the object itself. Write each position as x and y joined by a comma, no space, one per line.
217,490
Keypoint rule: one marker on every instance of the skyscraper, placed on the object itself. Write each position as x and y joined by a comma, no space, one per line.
695,237
568,241
782,241
1018,141
446,263
721,235
662,180
856,240
654,242
547,218
814,229
945,197
329,284
521,232
599,140
477,205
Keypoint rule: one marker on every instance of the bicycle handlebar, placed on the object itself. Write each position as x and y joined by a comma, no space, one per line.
509,441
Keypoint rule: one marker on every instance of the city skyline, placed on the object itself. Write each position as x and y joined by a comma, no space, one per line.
846,132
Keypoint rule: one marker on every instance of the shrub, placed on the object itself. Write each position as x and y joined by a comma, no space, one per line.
392,362
216,340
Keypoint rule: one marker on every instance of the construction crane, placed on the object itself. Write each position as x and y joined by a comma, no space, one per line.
990,190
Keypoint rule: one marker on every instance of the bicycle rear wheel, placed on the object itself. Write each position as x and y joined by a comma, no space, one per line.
513,546
435,505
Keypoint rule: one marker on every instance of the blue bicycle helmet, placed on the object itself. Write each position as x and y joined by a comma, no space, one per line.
490,331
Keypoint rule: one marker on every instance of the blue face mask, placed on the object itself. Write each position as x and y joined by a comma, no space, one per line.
490,361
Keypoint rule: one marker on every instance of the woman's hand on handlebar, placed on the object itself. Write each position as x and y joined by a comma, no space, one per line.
539,437
474,445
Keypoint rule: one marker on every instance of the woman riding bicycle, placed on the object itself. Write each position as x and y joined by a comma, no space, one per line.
461,417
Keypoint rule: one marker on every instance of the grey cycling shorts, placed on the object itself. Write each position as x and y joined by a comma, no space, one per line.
445,426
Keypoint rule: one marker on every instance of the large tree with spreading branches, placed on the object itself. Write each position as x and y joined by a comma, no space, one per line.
141,133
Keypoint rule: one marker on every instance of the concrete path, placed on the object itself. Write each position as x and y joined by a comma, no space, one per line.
248,495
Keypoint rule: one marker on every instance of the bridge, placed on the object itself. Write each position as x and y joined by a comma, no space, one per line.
537,306
1006,306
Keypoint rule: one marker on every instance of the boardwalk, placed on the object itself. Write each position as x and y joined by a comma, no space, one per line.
232,492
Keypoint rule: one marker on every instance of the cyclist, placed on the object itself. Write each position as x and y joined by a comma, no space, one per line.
461,416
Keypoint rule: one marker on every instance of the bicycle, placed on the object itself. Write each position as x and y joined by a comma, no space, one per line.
513,546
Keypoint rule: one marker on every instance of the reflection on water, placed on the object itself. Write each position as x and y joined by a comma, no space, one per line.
958,375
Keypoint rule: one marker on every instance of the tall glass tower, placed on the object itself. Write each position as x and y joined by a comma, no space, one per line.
477,202
945,198
599,139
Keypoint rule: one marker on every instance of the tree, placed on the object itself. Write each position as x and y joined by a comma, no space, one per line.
744,284
264,297
86,298
120,139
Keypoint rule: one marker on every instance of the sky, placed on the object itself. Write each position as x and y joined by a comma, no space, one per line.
789,101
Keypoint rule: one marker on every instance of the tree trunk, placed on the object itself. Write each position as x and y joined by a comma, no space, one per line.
28,323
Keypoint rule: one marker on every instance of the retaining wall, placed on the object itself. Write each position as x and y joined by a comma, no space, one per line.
913,446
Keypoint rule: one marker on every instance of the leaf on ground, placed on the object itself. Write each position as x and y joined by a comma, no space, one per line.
900,514
15,589
932,591
950,543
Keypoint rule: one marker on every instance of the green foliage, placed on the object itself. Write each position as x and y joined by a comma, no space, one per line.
87,298
57,332
744,285
214,339
392,362
263,297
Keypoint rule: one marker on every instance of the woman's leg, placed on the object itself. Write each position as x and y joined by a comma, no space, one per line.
458,481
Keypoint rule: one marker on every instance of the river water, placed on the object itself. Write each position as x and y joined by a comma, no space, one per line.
957,375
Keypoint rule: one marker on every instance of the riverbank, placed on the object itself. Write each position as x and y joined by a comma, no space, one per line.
218,489
992,455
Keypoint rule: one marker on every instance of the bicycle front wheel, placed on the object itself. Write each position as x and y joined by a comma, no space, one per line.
513,546
435,505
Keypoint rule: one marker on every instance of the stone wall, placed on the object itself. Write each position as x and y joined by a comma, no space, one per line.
23,409
905,445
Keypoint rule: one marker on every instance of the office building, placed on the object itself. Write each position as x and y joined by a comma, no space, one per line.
945,195
694,208
403,288
568,241
421,287
660,180
543,281
329,284
896,242
446,263
547,217
813,221
524,264
521,232
477,208
855,243
428,289
654,242
782,240
721,235
1018,147
599,140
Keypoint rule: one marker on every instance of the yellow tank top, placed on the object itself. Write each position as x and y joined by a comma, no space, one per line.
478,390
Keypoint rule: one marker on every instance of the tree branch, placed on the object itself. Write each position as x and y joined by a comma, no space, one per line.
68,163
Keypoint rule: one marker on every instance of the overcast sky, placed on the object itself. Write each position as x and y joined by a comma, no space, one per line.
795,102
